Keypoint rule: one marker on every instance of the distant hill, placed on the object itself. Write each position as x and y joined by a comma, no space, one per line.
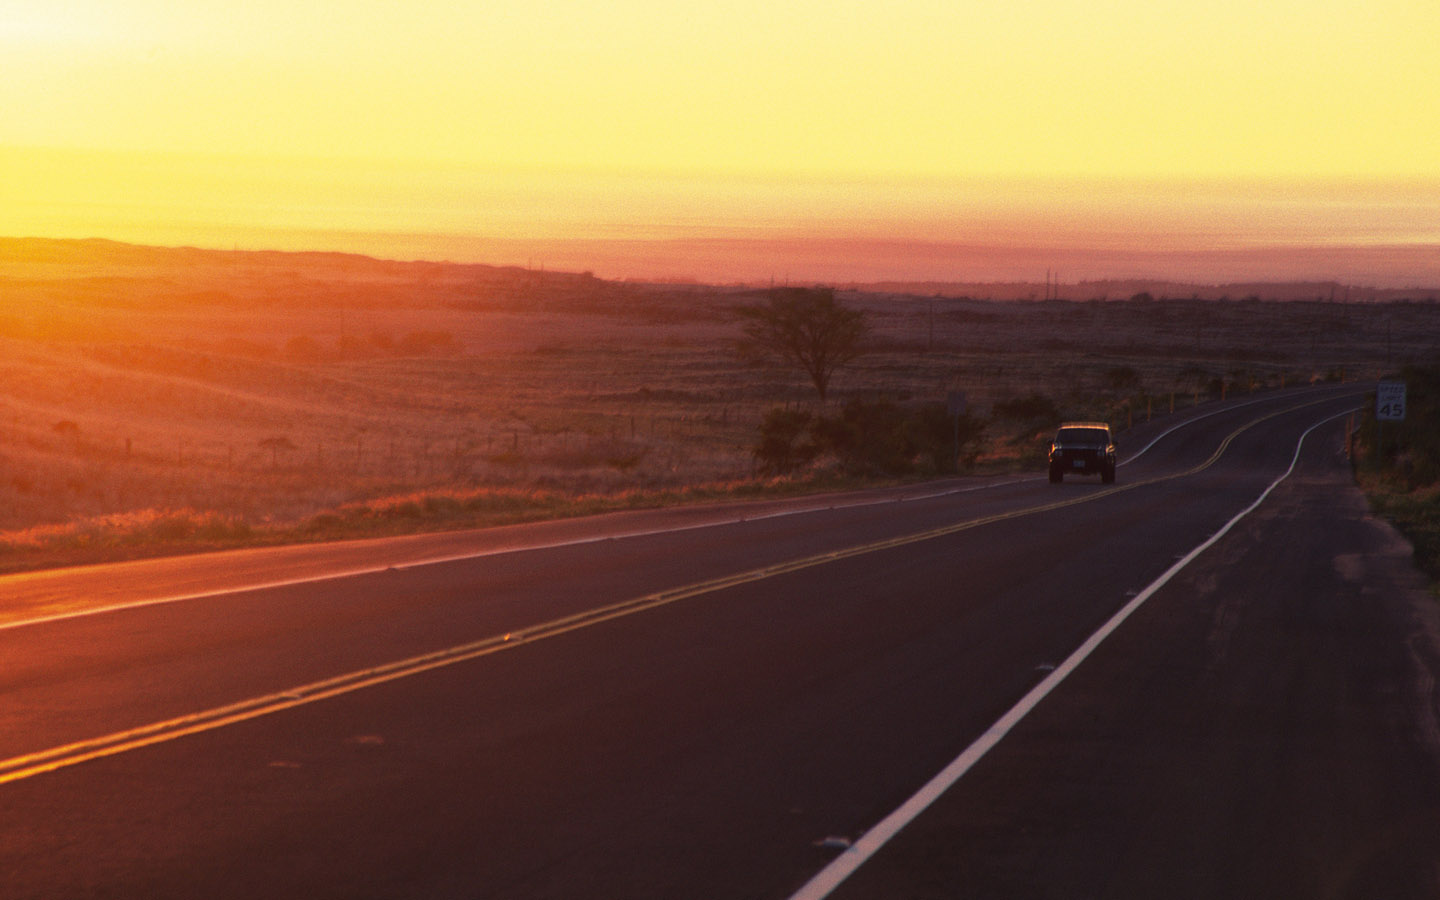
47,253
1324,291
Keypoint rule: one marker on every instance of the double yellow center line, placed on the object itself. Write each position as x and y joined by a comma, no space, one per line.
31,764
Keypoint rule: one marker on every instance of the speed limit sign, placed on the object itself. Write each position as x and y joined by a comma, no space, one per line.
1390,401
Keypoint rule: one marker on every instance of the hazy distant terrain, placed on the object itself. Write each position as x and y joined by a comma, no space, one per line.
271,387
981,257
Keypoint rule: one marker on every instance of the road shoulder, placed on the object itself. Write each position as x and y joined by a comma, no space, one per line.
1266,726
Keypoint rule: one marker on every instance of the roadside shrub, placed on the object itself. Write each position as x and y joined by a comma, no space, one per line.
172,527
497,502
944,444
441,506
217,527
407,509
870,438
1402,474
783,447
323,523
1411,449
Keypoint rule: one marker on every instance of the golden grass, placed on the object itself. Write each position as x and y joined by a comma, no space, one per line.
150,532
152,400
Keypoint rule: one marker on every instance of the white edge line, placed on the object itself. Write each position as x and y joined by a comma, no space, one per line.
844,865
500,551
463,557
482,554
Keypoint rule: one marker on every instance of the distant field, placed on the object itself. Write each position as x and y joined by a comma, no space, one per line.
260,390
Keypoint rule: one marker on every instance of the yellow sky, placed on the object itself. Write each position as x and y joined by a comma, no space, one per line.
453,114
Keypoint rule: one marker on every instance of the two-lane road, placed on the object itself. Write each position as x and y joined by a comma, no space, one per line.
688,703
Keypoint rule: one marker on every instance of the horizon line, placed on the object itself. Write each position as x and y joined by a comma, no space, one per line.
1051,278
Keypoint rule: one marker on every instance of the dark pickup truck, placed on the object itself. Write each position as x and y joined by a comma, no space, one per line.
1085,448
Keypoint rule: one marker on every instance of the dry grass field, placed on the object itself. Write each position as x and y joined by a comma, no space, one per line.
161,398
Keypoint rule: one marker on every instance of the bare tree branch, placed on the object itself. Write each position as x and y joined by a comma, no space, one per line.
805,327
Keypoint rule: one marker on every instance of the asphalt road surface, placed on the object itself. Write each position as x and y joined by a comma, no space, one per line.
974,688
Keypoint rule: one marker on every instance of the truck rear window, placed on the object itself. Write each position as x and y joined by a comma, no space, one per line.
1084,436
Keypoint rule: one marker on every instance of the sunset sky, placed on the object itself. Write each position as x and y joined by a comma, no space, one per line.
492,131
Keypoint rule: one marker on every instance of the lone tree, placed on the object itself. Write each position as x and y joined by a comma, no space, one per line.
806,327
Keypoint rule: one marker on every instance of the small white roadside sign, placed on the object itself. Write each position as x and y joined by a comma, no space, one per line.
1390,401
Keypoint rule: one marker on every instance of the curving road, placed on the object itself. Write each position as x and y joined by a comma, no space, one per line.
1156,688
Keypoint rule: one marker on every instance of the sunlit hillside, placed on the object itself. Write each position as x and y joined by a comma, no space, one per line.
259,388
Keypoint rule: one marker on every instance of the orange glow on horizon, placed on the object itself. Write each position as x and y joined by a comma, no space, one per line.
1135,125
